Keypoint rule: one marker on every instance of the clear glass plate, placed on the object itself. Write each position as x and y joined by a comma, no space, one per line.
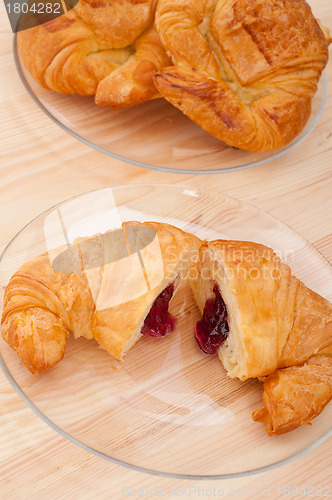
154,134
168,408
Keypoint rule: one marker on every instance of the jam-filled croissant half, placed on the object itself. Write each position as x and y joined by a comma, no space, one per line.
113,287
106,48
245,71
264,322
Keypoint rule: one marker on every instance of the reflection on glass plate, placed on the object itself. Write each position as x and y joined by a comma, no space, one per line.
154,134
167,408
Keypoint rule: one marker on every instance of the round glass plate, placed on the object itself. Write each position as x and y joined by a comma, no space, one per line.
168,408
154,134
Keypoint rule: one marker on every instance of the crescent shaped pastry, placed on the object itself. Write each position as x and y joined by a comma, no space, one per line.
244,70
113,287
263,321
116,287
106,48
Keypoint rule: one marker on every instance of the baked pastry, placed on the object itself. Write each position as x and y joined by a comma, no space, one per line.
106,48
263,321
116,287
113,287
244,71
295,395
271,319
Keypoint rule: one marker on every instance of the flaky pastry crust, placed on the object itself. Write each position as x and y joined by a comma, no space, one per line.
272,314
277,328
106,48
244,70
293,396
96,288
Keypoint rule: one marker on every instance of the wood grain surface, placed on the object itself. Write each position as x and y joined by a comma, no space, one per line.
42,165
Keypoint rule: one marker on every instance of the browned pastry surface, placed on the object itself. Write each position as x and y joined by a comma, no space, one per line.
109,48
41,307
96,294
293,396
277,328
244,70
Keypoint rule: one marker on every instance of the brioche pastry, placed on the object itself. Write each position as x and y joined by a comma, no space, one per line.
262,321
109,287
106,48
245,71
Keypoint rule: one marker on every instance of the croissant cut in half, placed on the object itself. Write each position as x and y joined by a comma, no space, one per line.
244,70
264,322
113,287
106,48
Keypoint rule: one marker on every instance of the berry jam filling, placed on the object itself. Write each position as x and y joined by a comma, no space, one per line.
159,321
212,330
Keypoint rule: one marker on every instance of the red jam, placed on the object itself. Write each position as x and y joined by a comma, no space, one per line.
159,321
212,330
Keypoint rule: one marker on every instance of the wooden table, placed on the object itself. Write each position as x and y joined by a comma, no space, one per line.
42,165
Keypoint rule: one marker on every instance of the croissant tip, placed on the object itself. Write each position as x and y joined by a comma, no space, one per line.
260,415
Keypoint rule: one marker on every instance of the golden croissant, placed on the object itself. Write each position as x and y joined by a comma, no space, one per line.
259,318
106,48
263,321
245,71
103,287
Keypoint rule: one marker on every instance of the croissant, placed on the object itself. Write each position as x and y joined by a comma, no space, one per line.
245,71
116,287
106,48
113,287
263,321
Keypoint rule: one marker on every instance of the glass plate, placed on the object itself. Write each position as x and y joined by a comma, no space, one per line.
154,134
168,408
